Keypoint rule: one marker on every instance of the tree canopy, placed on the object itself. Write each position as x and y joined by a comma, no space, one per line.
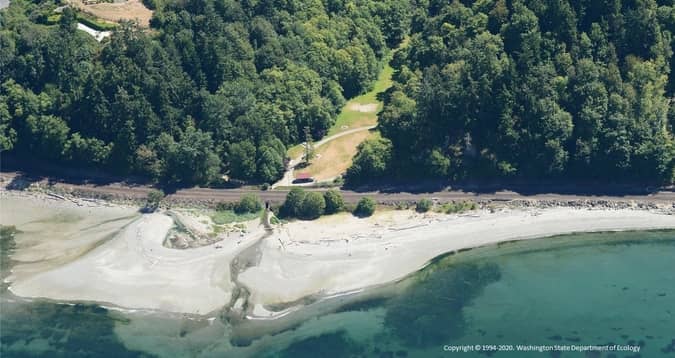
482,90
214,87
531,89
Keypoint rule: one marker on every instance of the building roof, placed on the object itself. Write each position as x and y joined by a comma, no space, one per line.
303,176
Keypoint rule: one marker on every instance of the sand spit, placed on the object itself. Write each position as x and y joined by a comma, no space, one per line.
128,264
131,268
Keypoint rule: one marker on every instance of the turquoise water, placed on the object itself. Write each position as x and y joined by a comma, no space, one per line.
572,291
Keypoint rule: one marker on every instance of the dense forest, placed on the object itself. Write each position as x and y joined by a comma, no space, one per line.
487,89
531,89
215,86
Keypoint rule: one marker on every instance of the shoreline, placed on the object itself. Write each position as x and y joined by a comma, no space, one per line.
336,256
301,269
204,198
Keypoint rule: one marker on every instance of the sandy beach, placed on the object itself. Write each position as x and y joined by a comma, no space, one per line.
344,253
127,264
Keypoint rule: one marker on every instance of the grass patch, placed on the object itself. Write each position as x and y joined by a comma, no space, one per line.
95,23
86,19
295,151
229,216
382,84
350,118
53,19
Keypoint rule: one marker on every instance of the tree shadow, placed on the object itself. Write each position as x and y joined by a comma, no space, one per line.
520,187
54,173
396,186
21,182
385,96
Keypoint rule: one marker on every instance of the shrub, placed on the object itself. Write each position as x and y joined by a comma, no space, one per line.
423,205
291,206
224,205
312,206
458,207
153,200
264,187
248,203
402,205
152,4
371,161
365,207
334,201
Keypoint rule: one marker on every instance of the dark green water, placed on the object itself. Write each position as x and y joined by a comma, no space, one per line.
591,289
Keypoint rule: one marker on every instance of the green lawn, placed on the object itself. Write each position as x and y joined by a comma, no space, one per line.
349,119
295,151
228,216
382,84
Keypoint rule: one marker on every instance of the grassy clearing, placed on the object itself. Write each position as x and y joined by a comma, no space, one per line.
133,10
382,84
350,118
334,157
229,216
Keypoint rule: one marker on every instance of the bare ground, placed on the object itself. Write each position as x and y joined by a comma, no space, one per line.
335,157
132,10
363,108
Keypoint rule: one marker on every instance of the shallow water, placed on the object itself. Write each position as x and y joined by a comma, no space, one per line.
590,289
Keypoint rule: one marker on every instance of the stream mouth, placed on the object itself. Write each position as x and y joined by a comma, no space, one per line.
238,307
